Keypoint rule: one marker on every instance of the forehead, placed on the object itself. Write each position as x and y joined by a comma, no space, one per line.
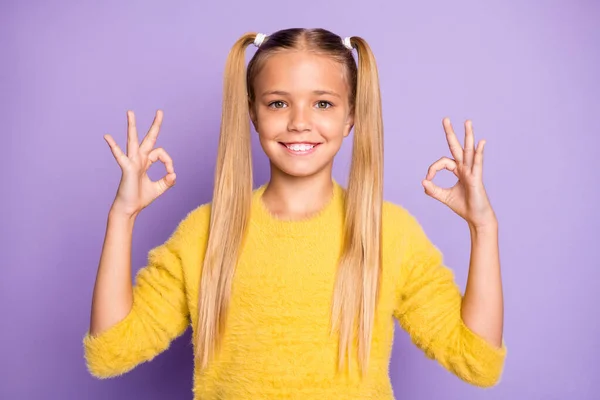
297,71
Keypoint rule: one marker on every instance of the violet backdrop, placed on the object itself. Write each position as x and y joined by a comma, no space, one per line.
525,72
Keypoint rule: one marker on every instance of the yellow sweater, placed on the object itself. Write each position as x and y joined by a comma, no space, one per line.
277,343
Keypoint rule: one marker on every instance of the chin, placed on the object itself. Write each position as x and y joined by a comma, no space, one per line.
297,171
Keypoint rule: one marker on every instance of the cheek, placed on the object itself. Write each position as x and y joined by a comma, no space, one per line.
331,127
270,124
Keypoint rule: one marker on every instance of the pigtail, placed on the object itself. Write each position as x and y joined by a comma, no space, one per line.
359,274
230,208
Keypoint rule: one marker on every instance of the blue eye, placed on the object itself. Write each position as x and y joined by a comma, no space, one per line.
277,104
324,104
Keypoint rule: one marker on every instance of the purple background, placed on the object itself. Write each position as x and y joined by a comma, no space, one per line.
526,73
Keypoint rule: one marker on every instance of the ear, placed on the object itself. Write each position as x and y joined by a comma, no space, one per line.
253,115
349,123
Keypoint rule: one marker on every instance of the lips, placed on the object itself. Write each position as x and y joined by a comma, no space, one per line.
300,148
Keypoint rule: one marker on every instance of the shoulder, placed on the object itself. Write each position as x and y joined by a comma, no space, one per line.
397,217
406,234
399,224
193,227
393,211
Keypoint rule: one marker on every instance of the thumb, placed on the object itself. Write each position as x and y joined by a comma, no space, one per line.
433,190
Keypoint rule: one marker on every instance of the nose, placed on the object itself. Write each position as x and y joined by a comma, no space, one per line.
299,120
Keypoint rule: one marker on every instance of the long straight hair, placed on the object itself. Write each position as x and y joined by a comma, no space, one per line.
356,290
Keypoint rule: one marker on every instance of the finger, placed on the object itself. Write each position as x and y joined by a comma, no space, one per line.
162,155
167,181
150,139
120,157
469,144
163,184
478,160
442,163
453,142
434,190
132,136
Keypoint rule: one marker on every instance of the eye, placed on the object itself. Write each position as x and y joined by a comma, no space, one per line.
324,104
277,104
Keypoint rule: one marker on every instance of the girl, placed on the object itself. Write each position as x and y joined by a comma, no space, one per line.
291,288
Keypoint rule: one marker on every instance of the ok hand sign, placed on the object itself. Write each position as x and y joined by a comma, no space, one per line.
136,190
467,197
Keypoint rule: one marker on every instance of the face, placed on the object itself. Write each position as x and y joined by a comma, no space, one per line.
301,112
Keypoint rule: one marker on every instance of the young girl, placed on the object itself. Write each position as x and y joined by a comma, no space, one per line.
292,289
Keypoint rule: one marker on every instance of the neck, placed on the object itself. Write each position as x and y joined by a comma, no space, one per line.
290,197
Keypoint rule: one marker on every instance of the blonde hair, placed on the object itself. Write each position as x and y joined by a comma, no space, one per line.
358,279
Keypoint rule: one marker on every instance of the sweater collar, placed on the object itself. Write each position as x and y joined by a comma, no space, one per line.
331,215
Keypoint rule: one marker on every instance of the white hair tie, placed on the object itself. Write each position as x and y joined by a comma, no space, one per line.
259,39
347,43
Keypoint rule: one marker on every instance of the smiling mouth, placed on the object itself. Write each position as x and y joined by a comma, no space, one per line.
300,148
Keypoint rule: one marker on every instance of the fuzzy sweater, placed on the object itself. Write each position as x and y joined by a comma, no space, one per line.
277,342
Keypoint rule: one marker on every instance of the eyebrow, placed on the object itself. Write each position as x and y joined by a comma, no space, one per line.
318,92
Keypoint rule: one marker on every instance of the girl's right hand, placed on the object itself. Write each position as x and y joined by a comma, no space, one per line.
136,190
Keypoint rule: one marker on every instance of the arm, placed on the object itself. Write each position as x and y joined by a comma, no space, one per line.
430,308
112,297
482,305
132,325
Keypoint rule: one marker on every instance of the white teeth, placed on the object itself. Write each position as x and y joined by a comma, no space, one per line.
300,147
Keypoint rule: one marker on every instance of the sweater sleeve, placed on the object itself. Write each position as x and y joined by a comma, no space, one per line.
158,315
428,307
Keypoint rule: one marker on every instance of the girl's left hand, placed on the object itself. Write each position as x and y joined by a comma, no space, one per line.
468,197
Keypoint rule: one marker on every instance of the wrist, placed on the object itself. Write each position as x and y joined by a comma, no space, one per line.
117,214
490,227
